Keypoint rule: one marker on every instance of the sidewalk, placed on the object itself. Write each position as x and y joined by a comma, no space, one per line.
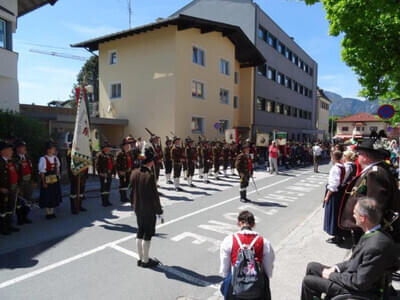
305,244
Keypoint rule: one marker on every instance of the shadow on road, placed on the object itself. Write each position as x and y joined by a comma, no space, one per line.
268,204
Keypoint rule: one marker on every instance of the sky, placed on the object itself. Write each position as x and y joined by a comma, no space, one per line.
43,78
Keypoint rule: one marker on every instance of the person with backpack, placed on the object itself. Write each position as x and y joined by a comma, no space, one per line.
247,261
332,198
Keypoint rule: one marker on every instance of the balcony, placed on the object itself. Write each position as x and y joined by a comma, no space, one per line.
8,63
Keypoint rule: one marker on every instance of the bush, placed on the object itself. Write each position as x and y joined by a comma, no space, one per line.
29,130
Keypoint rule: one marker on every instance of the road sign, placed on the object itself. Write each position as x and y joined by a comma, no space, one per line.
386,111
217,125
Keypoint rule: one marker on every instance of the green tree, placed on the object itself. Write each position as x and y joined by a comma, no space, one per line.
370,45
89,74
332,120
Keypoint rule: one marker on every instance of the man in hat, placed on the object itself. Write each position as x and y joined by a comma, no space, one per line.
177,161
74,181
375,181
124,165
168,160
158,155
207,160
217,157
199,150
233,155
146,204
26,179
226,154
106,169
244,166
134,151
191,160
8,189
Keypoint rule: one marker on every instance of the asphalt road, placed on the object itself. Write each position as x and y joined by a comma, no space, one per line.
93,255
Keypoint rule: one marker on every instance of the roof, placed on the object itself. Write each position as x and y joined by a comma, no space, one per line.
361,117
26,6
246,53
320,92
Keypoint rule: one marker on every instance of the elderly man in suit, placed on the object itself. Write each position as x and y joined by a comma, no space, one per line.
362,273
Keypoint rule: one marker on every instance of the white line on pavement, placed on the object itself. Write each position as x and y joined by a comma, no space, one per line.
102,247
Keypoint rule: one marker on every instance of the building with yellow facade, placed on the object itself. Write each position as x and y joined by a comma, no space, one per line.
182,75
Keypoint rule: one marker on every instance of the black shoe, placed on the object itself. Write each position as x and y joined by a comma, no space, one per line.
334,240
48,217
108,203
192,185
201,176
243,200
139,263
150,264
124,200
208,181
178,189
83,209
170,182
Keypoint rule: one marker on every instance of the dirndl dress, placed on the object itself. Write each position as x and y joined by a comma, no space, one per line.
50,197
332,213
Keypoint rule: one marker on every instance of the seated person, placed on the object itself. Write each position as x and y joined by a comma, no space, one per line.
263,252
362,273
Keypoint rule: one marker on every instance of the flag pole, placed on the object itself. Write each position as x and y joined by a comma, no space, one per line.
78,192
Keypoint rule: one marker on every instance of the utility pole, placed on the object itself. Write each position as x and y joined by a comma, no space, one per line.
130,12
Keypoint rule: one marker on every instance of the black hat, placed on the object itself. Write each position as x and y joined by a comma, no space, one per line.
176,138
373,147
105,144
188,140
49,145
125,141
20,143
167,140
4,145
149,155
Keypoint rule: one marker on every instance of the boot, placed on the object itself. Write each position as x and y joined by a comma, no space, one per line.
201,173
73,205
20,216
124,199
176,183
81,208
11,228
206,178
25,211
104,200
108,203
3,226
190,181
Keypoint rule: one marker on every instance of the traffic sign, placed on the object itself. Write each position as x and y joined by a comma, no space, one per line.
386,111
217,125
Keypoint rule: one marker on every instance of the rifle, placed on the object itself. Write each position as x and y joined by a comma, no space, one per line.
254,183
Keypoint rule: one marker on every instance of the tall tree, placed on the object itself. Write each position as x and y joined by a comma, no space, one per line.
370,45
89,74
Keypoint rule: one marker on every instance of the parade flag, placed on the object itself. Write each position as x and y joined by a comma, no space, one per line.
262,140
231,135
281,138
81,155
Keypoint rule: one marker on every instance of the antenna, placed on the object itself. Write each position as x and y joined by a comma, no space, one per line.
59,54
130,12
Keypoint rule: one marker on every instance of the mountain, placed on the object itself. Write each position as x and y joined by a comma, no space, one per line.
349,106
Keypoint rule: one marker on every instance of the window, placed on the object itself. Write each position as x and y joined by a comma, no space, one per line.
289,83
271,74
236,78
324,105
279,108
286,110
301,64
306,68
282,79
113,58
288,54
294,112
223,125
310,94
289,110
224,66
270,106
296,60
310,71
260,103
197,125
295,86
345,128
301,89
262,33
358,128
2,34
305,91
272,41
197,89
262,70
373,128
115,90
198,56
300,113
281,48
224,96
235,102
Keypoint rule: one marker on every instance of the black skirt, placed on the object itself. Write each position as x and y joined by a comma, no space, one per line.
50,197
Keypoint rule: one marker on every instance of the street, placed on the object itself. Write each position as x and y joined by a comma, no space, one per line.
93,255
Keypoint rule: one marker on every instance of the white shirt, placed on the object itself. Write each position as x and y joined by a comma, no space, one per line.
226,249
316,150
334,178
42,163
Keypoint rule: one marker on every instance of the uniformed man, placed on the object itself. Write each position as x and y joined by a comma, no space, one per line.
184,164
199,150
124,165
8,189
226,154
168,160
26,182
244,167
134,151
217,157
106,169
233,155
375,181
207,160
158,155
177,161
191,160
74,197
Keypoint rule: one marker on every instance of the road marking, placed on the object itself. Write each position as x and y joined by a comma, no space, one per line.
127,238
199,239
170,270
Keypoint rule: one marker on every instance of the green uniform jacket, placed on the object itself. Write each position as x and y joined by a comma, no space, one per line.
122,161
242,164
102,163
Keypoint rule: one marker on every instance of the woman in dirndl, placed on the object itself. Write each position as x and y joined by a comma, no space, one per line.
332,197
50,189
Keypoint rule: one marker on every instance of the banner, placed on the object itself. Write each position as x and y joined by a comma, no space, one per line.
262,140
81,155
281,138
231,135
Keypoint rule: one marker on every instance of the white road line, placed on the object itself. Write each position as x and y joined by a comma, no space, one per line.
170,270
127,238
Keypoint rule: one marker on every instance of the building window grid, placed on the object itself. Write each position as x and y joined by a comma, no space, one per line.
235,102
197,89
224,67
198,56
115,90
3,34
197,125
224,96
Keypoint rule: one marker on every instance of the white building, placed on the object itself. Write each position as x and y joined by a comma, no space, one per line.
10,11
